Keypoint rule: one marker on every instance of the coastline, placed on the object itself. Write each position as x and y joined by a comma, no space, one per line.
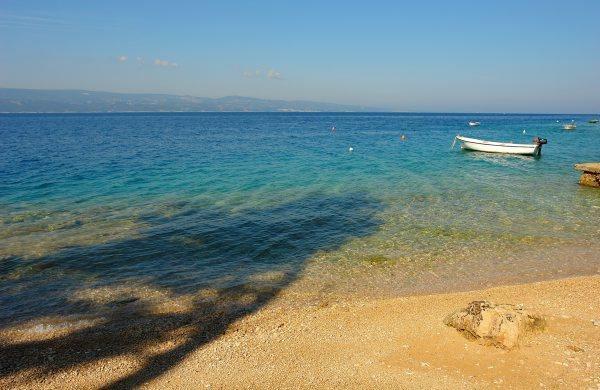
300,196
199,257
371,343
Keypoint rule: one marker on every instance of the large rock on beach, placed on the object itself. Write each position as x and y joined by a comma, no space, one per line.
590,174
501,325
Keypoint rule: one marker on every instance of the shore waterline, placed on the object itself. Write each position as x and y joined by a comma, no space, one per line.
172,205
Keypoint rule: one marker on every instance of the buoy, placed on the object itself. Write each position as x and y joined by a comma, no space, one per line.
403,137
350,149
332,128
524,132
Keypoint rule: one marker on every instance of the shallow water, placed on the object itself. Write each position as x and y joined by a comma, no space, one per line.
100,207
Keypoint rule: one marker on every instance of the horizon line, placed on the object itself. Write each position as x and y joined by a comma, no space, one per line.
295,112
375,109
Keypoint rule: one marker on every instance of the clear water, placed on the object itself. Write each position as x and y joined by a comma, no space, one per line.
98,208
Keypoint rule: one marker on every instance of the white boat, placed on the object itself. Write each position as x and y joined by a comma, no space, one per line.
473,123
570,126
533,149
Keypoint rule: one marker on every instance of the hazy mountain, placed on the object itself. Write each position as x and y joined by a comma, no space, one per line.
42,100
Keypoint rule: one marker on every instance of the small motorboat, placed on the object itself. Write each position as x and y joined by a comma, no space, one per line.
533,149
593,121
570,126
473,123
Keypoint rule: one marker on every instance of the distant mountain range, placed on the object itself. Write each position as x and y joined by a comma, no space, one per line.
14,100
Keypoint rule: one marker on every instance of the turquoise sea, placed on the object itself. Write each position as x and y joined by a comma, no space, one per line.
99,210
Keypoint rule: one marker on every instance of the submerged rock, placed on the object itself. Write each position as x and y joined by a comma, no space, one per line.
499,325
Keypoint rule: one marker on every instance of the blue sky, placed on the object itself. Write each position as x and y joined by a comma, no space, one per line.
463,56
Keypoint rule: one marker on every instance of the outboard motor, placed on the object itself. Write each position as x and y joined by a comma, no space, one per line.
539,142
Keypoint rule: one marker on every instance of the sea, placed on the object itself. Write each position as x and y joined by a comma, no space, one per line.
99,211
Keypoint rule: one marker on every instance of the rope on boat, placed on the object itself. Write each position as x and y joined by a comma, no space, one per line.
453,143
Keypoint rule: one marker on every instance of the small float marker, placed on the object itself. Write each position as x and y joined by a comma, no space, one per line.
524,132
350,149
332,128
403,137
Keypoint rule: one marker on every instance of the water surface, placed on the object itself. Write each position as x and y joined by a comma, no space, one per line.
96,208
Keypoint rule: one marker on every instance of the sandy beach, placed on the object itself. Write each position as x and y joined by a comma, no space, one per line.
382,343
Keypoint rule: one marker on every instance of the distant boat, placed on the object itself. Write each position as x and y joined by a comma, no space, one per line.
533,149
473,123
570,126
593,121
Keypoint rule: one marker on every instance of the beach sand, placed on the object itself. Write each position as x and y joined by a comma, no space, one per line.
376,343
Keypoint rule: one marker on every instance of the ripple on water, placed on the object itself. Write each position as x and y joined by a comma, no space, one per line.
201,205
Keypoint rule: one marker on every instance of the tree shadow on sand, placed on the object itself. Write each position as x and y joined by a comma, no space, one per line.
185,254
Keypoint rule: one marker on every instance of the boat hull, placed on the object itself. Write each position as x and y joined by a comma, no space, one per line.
499,147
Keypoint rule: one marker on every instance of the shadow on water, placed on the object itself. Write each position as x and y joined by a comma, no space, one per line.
183,254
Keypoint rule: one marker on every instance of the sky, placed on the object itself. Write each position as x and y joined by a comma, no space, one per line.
435,56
